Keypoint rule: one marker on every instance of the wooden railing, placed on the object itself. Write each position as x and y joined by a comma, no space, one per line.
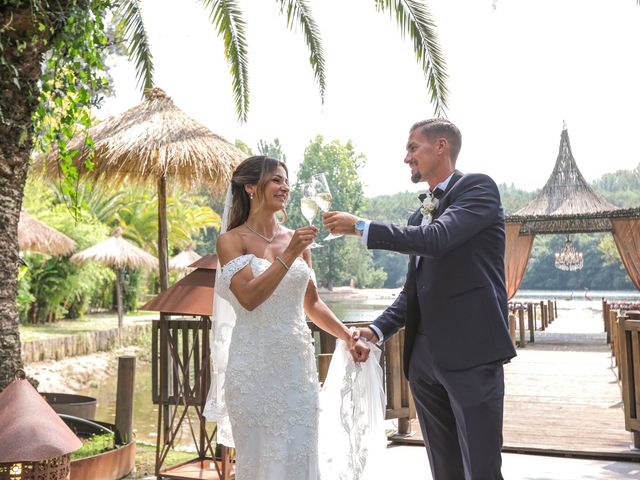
628,350
538,317
399,401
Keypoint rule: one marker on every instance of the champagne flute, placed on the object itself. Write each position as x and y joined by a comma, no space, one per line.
323,197
308,206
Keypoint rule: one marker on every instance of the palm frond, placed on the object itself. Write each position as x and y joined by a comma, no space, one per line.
227,18
298,12
415,20
131,27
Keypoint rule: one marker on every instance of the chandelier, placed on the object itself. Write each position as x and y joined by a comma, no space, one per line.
569,258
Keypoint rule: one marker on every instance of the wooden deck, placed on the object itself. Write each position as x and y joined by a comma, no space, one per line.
562,396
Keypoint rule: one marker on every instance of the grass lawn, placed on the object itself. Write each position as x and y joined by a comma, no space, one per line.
88,323
146,460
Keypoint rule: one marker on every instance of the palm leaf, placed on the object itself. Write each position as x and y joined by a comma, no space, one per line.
131,28
227,18
298,12
415,20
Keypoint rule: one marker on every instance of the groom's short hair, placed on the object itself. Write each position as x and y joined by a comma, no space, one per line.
440,127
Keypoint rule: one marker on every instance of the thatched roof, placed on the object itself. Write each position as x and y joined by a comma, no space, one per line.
567,203
35,236
153,139
31,431
183,260
117,252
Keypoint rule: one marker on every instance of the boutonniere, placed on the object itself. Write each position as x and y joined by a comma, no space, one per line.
429,204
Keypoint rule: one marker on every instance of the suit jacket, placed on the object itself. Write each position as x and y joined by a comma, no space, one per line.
456,295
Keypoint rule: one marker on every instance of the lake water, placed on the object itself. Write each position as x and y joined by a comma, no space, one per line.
146,414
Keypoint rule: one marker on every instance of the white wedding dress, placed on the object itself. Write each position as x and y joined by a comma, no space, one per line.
272,392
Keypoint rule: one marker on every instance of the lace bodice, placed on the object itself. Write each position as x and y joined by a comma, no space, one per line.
286,301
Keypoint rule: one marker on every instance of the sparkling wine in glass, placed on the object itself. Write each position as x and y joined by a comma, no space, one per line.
308,206
323,197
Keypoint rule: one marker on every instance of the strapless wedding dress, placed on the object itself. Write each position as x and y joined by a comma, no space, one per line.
273,394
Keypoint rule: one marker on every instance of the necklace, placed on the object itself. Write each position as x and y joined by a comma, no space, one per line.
264,237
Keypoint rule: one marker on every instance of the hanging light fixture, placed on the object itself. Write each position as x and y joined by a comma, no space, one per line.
569,258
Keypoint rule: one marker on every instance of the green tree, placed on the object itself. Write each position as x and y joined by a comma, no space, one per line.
342,259
272,149
394,209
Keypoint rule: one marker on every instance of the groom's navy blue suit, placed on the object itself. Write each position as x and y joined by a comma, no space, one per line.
454,310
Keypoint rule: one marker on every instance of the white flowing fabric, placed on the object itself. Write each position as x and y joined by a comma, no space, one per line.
264,374
352,437
224,319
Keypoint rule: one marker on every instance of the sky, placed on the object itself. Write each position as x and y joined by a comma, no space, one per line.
516,73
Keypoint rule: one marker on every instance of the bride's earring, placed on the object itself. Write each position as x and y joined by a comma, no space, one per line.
251,196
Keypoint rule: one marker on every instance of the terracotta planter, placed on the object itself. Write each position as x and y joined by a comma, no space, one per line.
111,465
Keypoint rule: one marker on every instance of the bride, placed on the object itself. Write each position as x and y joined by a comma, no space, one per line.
265,395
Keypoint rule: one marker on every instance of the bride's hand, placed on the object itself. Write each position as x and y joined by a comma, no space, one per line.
302,238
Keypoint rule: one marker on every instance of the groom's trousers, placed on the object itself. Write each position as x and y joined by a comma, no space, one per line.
460,414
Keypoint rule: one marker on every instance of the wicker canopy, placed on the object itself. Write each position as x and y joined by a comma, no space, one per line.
35,236
152,140
567,204
183,260
118,253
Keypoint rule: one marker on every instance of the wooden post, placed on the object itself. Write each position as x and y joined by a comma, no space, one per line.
324,359
542,323
532,319
532,323
605,318
512,328
521,327
555,308
550,310
124,399
119,298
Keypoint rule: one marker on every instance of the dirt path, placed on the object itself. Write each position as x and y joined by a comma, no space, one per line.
71,375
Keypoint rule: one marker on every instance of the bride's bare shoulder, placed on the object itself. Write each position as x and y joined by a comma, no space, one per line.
230,245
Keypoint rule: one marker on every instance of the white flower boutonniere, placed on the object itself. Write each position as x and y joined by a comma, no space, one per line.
429,206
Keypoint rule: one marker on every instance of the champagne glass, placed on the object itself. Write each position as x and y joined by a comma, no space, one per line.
323,197
308,206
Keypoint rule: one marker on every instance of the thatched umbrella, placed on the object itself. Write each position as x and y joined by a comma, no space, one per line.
35,236
156,141
117,253
182,261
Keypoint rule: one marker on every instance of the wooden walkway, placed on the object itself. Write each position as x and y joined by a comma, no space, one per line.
562,396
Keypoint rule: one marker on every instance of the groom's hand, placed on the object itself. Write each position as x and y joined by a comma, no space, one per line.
368,333
340,223
360,352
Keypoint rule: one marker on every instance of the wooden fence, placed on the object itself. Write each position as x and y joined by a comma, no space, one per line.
83,343
627,341
399,401
529,317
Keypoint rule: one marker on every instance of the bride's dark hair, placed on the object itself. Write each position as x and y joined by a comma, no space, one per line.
252,171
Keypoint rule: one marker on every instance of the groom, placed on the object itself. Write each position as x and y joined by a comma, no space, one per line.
453,304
